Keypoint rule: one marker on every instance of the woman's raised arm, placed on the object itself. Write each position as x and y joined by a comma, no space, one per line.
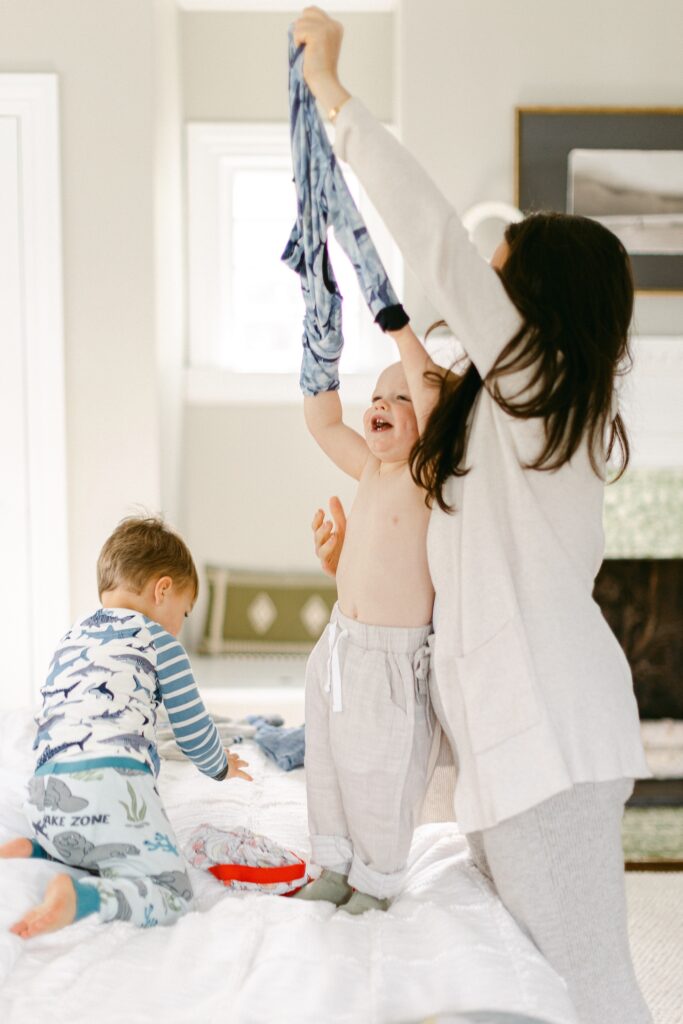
467,292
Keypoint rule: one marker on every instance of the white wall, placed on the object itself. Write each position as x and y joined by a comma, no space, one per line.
235,65
169,251
107,57
251,478
253,475
465,66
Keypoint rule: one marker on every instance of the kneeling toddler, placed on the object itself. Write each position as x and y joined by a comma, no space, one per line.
93,801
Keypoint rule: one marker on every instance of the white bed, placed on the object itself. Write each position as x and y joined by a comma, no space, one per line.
445,950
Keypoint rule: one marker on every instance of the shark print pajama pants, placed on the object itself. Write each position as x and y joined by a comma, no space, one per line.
109,820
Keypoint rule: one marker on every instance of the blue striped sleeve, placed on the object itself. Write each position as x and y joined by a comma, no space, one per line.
193,727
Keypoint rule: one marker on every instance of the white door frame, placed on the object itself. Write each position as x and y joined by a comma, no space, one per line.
29,108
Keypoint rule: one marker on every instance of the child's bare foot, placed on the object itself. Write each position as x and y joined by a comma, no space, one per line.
17,848
57,910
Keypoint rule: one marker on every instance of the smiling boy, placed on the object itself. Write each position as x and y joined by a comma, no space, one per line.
368,718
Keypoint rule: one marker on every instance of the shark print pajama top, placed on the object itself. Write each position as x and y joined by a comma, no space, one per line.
107,678
93,802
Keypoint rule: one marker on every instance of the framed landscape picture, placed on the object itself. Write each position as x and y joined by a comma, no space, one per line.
621,165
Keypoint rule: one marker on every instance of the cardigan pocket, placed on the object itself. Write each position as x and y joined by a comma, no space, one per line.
497,681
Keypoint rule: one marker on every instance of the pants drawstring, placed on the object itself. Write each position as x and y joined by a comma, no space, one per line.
421,665
334,681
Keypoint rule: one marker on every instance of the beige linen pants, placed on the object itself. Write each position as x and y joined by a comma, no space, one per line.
368,740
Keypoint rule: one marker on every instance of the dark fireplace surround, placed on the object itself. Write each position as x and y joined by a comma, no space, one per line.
642,599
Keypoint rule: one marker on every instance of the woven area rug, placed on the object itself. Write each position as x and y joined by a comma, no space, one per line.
655,903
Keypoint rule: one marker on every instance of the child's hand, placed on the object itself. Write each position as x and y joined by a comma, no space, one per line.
235,765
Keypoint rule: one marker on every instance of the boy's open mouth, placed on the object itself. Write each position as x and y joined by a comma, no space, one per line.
379,423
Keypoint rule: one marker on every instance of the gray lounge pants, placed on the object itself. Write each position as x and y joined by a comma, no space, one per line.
559,870
368,740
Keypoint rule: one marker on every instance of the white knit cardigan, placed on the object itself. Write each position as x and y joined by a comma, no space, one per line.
531,686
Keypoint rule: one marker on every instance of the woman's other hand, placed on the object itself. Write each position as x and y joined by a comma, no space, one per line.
322,37
329,538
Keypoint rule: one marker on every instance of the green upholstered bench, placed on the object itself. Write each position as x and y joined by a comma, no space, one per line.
265,612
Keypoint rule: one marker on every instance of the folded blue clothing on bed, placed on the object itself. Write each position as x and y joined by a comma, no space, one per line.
258,720
324,200
284,746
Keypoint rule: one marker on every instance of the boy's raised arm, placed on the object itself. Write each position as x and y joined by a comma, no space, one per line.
416,362
345,446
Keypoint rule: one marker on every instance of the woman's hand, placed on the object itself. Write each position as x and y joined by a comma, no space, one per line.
322,37
329,539
235,766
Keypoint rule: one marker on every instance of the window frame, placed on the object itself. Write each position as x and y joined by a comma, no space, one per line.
210,145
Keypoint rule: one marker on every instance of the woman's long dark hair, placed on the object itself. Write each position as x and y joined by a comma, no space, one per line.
571,280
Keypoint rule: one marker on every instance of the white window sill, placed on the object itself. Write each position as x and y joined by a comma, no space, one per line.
211,386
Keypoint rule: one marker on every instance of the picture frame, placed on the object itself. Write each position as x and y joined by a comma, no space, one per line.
621,165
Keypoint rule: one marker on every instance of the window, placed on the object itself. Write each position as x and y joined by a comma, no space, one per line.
245,305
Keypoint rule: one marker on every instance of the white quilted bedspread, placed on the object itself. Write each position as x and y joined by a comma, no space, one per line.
446,946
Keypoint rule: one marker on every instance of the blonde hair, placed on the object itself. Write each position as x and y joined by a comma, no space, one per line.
142,547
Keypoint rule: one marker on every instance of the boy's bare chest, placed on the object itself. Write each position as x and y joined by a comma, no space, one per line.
388,508
383,575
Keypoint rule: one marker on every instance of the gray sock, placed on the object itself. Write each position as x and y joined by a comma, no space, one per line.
331,886
362,901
